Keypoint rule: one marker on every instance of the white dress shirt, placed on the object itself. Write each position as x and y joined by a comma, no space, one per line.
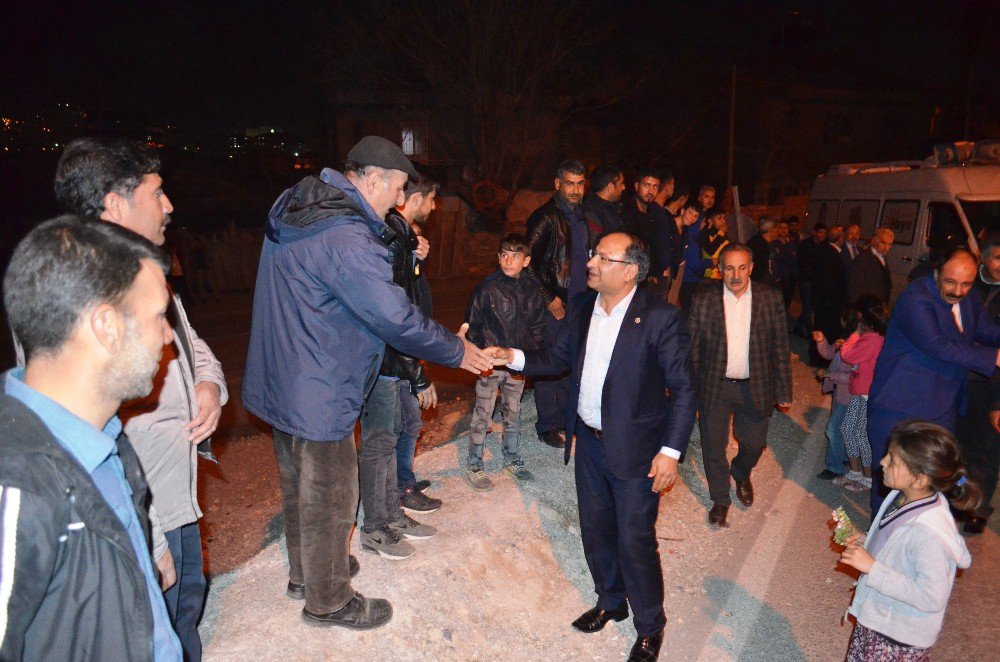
737,332
601,339
878,255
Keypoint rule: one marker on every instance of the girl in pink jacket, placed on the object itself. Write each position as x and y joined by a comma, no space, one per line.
861,349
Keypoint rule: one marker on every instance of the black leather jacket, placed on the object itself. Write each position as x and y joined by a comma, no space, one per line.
406,270
506,312
601,215
548,241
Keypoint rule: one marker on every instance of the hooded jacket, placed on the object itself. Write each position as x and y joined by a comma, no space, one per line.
324,308
905,593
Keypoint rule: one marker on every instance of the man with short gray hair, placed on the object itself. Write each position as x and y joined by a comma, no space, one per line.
739,348
869,273
325,307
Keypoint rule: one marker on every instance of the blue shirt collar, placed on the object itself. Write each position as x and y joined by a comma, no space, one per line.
88,445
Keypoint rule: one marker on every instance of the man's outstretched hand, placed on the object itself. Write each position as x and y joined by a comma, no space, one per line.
474,360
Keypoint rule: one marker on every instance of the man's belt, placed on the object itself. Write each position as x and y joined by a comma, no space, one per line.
594,431
735,381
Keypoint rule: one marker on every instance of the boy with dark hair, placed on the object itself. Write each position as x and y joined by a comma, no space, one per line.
505,309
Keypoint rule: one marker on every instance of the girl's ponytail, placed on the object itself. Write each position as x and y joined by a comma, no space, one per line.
963,494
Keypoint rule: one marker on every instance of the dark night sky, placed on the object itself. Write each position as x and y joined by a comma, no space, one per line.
215,64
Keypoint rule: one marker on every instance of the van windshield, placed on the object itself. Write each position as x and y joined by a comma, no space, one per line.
984,216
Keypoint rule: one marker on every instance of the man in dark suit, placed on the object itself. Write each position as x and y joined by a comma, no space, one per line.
625,350
869,273
739,348
936,335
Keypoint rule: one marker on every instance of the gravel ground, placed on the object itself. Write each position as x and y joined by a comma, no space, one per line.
505,575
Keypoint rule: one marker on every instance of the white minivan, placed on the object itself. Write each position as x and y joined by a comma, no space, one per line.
927,205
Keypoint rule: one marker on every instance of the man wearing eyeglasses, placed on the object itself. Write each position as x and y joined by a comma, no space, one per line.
625,350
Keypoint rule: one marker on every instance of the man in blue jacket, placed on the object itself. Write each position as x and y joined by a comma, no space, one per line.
324,308
936,335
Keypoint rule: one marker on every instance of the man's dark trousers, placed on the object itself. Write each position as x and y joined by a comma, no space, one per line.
749,428
319,495
411,424
618,527
186,598
550,394
381,423
979,442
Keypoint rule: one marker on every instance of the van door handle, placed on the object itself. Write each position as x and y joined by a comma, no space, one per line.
906,258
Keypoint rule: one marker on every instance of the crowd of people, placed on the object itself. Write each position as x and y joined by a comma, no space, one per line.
117,396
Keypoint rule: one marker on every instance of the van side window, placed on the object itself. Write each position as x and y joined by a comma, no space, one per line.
900,216
945,228
862,212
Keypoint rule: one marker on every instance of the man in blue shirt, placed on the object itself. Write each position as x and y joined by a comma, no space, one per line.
88,303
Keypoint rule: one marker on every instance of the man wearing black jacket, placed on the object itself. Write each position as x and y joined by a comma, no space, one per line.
88,303
603,207
401,377
558,241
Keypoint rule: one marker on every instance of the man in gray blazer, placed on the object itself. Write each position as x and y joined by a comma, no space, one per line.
739,349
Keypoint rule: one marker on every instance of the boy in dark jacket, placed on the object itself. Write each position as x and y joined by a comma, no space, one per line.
504,310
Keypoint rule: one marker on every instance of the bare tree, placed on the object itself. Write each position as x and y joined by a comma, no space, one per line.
498,78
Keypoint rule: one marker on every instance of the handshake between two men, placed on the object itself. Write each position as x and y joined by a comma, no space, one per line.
477,360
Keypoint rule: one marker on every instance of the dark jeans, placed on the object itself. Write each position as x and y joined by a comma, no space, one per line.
836,449
406,445
381,423
551,393
804,324
980,443
319,494
186,598
618,527
749,428
482,416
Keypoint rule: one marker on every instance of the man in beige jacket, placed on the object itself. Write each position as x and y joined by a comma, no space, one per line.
118,181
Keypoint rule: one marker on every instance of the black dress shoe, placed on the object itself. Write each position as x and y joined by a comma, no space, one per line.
974,524
595,619
744,492
646,649
360,613
552,438
717,516
298,591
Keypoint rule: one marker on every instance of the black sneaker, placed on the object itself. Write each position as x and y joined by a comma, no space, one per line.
422,485
360,613
418,502
298,591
